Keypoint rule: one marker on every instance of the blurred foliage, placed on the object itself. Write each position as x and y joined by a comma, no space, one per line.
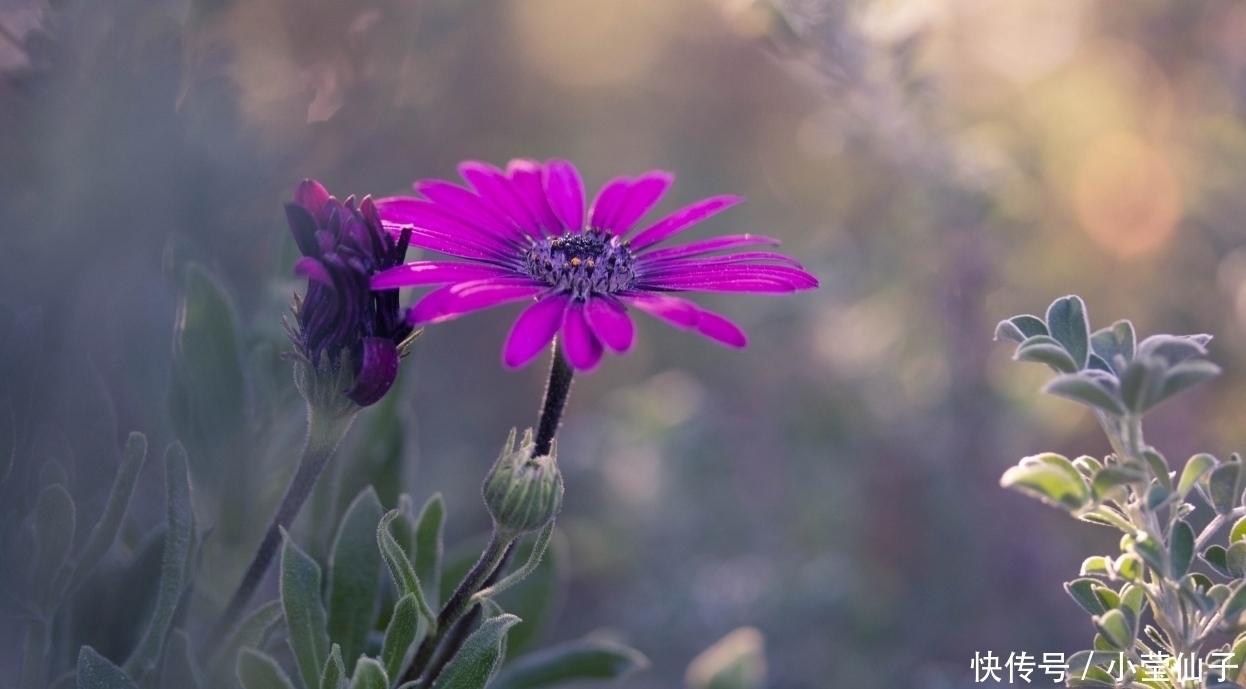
939,164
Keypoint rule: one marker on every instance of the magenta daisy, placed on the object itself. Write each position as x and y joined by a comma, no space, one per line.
522,235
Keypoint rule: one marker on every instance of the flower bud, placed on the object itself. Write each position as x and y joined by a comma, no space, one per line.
522,492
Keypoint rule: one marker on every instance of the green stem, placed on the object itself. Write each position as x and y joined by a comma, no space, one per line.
35,651
325,430
460,601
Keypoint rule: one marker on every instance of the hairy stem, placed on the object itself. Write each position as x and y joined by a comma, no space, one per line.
35,651
325,431
556,392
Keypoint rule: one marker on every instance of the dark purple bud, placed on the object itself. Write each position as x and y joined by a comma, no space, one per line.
377,371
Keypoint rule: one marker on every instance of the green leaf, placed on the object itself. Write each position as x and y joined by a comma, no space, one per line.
1141,383
1235,560
1115,341
1050,478
736,661
368,675
1224,486
1184,376
54,534
1083,592
400,634
1087,466
1088,389
1113,476
429,548
1238,532
1218,558
334,675
1030,325
1129,567
179,669
1159,467
355,574
400,568
1007,331
259,671
1181,550
572,661
105,530
208,359
1097,565
1115,628
1066,320
1132,597
1147,549
305,616
252,633
97,672
1156,496
479,657
178,538
1195,468
1046,350
1172,349
1235,605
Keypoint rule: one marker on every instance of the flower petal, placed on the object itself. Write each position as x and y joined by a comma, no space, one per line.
682,219
582,347
311,195
455,200
705,246
525,175
732,278
534,328
721,330
493,184
684,314
434,273
610,322
303,227
452,301
313,270
620,213
565,191
649,267
377,371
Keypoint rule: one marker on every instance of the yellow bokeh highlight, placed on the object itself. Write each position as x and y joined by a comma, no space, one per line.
1126,195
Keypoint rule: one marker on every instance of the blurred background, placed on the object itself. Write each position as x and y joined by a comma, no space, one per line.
938,164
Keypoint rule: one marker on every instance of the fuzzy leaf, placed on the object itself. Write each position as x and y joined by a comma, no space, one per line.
368,675
1046,350
1173,349
179,668
1235,560
355,574
1115,341
400,634
1115,628
1007,331
1184,376
1141,383
572,661
1090,390
305,615
105,530
334,675
1224,486
1218,558
54,534
1181,551
1050,478
480,656
258,671
174,564
97,672
1083,592
1066,321
429,548
1235,605
1195,468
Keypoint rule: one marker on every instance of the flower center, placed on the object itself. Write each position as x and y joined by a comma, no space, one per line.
582,264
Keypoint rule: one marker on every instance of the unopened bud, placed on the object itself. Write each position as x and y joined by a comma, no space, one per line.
523,492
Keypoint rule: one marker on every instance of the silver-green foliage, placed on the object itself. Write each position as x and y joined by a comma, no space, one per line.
1145,602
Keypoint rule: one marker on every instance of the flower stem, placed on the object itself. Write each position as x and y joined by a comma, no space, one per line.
34,653
325,430
460,601
556,392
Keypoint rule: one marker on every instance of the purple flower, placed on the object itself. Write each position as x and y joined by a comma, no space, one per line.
523,236
344,246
